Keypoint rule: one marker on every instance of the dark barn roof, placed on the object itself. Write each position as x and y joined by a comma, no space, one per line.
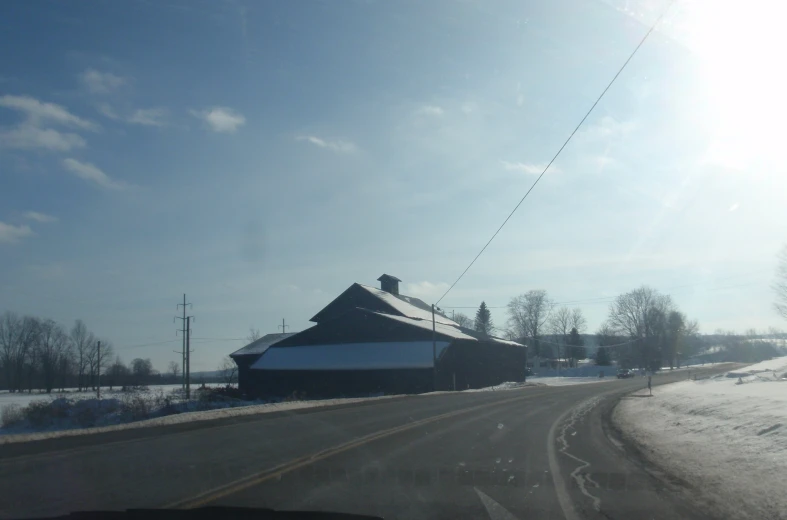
371,298
255,348
359,325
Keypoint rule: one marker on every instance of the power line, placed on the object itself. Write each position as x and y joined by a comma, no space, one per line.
224,339
642,41
609,299
148,344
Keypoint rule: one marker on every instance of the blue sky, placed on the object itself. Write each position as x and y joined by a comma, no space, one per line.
261,157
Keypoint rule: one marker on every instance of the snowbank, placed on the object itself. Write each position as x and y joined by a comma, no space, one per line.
726,436
180,418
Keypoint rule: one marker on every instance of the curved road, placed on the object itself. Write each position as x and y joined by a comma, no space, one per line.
531,453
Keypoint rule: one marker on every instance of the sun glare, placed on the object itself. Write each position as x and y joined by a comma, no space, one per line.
741,47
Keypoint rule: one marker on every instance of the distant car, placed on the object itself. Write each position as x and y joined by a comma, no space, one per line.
528,371
625,373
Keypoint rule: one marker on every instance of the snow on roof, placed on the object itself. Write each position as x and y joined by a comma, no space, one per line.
262,344
351,356
408,306
441,328
506,341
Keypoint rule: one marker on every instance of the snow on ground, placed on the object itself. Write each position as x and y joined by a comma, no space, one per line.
564,381
23,398
726,436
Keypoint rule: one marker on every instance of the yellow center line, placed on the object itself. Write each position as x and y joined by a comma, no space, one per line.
277,471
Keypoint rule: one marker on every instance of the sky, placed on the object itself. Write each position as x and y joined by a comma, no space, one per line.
260,157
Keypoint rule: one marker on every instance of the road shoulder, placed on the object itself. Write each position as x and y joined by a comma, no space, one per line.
712,441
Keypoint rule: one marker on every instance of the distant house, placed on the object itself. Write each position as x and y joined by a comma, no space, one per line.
377,341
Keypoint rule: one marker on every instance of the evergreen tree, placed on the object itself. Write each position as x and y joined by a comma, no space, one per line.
602,357
576,350
483,320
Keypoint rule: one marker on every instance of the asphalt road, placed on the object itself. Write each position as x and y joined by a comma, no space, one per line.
531,453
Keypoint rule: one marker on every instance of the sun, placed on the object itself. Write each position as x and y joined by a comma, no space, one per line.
740,46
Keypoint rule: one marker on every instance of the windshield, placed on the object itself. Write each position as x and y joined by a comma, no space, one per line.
401,259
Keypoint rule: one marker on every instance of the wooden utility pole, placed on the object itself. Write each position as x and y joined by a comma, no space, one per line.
188,358
183,333
184,351
434,352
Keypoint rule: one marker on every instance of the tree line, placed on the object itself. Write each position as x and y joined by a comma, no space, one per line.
41,354
535,320
644,329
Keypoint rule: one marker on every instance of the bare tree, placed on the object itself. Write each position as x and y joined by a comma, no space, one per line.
642,314
117,373
254,335
578,320
83,343
463,320
527,315
605,335
141,370
559,323
98,361
676,330
17,340
632,313
51,345
559,327
174,369
228,371
780,285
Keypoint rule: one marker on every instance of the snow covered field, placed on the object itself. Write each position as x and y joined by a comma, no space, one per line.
23,399
725,436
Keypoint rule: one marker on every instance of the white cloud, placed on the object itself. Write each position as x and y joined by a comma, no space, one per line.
532,169
430,110
608,128
92,173
468,108
39,112
336,146
604,161
10,233
107,111
29,136
141,116
221,119
425,290
40,217
101,82
149,117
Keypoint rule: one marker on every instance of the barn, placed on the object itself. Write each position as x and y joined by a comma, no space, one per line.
371,341
249,354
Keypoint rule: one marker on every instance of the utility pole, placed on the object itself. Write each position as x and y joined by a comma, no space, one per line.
434,352
98,371
188,358
283,326
185,321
